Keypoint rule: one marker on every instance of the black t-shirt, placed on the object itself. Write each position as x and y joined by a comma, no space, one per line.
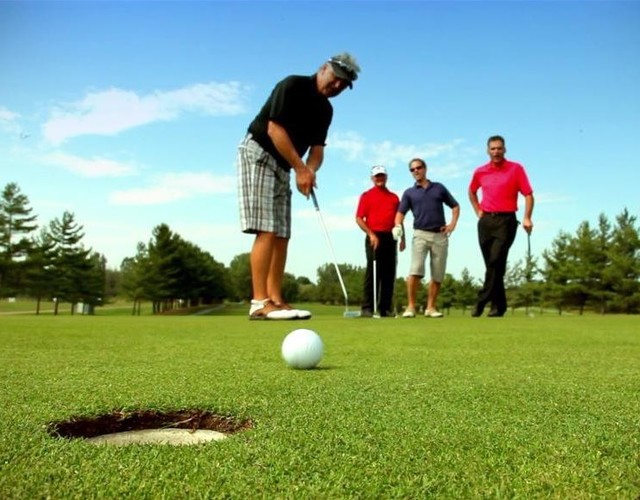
296,105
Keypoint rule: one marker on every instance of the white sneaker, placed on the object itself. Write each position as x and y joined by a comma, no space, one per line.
432,313
300,313
266,309
409,313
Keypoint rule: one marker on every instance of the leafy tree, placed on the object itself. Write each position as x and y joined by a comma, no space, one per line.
172,272
16,224
329,289
466,290
134,271
589,259
623,273
558,271
75,268
448,291
40,267
240,277
164,269
400,298
290,288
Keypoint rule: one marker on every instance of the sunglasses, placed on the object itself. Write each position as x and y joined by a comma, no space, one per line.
416,168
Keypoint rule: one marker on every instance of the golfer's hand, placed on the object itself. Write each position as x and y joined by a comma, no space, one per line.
305,180
373,239
397,232
448,229
527,225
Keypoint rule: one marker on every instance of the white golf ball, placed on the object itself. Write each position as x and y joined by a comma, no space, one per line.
302,349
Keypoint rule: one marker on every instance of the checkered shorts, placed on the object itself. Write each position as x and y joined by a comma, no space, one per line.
264,192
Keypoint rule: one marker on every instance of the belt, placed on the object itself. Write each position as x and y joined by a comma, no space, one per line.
498,214
436,230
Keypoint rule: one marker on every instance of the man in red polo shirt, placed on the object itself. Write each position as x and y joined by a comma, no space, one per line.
500,181
375,216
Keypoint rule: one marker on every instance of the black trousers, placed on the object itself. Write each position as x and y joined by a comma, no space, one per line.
385,257
496,233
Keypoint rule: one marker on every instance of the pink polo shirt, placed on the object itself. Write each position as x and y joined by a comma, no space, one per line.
500,186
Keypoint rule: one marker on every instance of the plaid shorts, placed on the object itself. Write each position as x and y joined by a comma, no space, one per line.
264,192
425,242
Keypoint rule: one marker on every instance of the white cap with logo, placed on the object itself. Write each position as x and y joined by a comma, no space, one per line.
378,170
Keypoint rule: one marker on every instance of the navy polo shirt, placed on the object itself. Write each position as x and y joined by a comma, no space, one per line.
427,205
296,105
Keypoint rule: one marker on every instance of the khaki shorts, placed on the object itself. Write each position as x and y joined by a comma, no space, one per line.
423,244
264,192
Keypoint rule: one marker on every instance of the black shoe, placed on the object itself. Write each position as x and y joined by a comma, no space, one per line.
366,313
477,312
495,314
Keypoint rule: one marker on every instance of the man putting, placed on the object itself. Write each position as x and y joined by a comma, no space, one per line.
294,122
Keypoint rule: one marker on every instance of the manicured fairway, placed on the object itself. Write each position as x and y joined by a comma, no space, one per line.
517,407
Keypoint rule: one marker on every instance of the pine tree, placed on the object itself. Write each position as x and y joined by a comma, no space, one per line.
16,224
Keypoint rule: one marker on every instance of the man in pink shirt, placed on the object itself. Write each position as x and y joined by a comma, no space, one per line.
500,181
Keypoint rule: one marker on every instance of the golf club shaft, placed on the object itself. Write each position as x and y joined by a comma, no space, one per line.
375,285
333,254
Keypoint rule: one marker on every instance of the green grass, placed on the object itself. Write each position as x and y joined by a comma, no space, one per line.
518,407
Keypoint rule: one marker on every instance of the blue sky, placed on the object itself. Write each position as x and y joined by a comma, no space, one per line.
128,114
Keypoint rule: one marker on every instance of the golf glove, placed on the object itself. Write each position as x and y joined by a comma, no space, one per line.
397,232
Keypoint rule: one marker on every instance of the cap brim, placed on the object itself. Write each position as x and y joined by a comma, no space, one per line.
340,72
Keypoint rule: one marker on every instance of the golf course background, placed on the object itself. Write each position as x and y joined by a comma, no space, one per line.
525,406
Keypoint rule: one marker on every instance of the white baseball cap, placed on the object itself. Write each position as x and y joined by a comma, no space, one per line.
378,170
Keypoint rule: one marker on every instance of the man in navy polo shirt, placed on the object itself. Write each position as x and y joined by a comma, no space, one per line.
426,200
289,133
375,215
501,181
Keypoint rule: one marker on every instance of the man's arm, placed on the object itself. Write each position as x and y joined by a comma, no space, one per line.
305,176
455,215
315,157
399,223
527,224
373,237
475,203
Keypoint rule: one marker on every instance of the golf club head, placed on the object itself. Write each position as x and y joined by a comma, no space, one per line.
351,314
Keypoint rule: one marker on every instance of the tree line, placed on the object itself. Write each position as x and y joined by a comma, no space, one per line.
597,268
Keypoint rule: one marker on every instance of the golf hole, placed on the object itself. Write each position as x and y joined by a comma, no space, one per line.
179,427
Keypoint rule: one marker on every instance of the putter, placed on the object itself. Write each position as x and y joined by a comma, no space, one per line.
347,313
395,289
375,287
528,256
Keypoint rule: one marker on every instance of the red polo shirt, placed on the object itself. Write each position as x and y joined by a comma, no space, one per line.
500,186
378,207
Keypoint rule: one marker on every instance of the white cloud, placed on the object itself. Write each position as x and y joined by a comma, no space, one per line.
89,167
8,121
174,187
6,115
449,157
351,143
114,110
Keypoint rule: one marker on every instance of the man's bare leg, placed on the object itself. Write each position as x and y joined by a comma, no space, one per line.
434,290
261,257
412,290
276,270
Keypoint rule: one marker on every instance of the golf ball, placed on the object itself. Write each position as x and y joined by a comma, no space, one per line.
302,349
